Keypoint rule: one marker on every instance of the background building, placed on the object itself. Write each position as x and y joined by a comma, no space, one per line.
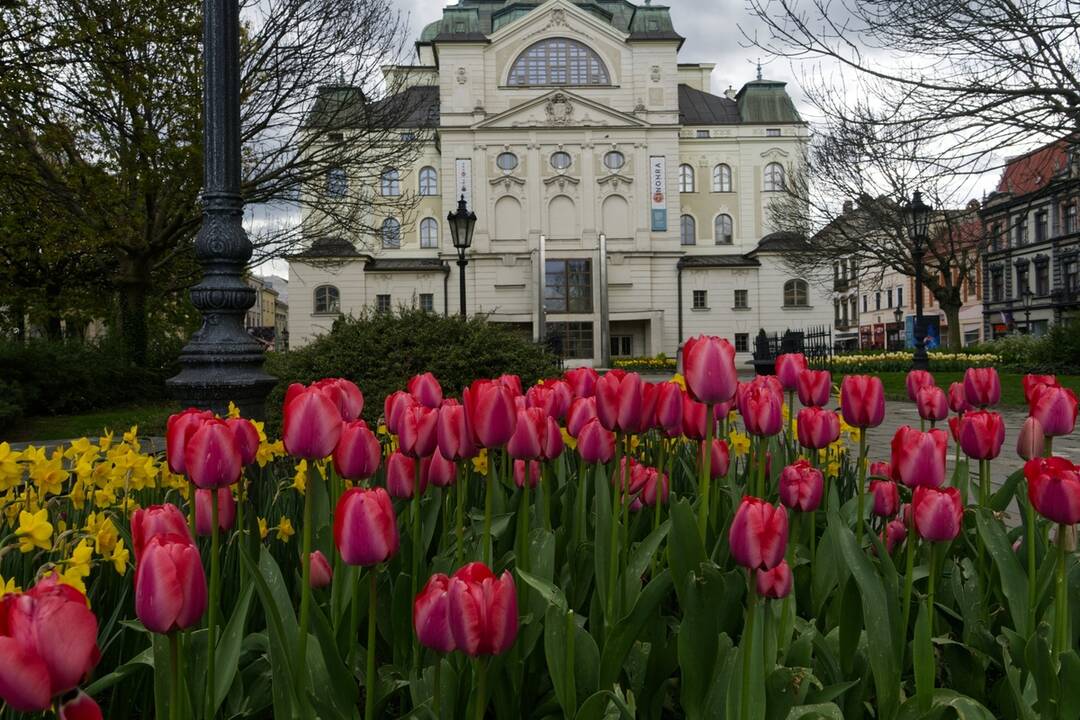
560,123
268,318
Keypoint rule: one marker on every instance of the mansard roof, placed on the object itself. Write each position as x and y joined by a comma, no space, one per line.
327,248
702,108
345,106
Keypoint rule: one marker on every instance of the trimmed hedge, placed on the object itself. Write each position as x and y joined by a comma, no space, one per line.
381,351
1058,351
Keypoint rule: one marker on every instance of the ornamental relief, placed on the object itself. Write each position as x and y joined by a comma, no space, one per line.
559,110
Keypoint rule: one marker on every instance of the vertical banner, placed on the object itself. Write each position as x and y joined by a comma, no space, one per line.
658,192
463,176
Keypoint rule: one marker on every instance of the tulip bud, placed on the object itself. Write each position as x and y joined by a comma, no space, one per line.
886,497
895,532
759,534
394,408
938,513
455,438
801,486
551,443
437,470
525,442
709,368
982,386
1032,381
312,422
917,379
720,458
693,418
582,410
817,428
1032,442
881,469
343,393
669,407
761,407
655,486
954,427
788,367
204,512
365,528
426,389
814,387
620,401
358,452
511,383
431,618
981,434
958,402
418,431
211,455
247,438
321,572
519,472
80,707
400,476
157,520
582,381
595,443
483,610
918,458
491,412
179,430
1055,408
1054,489
170,586
775,583
931,403
862,401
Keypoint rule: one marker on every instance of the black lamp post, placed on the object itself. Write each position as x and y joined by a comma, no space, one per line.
462,224
1026,297
222,362
898,313
918,229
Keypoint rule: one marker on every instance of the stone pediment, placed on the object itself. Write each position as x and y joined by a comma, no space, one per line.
560,108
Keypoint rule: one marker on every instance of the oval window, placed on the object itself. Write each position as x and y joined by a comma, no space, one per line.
506,161
560,160
614,160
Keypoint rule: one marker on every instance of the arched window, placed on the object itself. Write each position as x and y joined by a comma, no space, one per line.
429,233
774,177
429,181
327,299
723,230
796,293
337,182
687,230
686,178
391,182
391,233
721,178
558,61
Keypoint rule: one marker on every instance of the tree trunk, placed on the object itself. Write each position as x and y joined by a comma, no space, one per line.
134,286
952,318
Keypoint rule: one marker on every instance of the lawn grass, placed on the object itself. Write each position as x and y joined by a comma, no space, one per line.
1012,389
150,417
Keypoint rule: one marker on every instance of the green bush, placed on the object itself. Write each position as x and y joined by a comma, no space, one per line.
381,351
1058,351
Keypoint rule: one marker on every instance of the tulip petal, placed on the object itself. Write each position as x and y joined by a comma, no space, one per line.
158,593
24,679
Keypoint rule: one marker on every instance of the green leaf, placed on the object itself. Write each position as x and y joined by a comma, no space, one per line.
786,688
686,552
1069,706
338,676
699,636
851,625
548,590
1040,663
602,536
617,645
923,660
555,651
640,558
281,631
143,660
228,649
1012,576
1000,500
819,711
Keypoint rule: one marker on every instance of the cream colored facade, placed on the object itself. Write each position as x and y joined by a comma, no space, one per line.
501,77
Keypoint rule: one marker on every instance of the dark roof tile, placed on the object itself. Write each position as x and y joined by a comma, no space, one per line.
702,108
717,261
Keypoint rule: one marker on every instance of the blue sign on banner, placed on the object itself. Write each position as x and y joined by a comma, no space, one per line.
658,192
932,328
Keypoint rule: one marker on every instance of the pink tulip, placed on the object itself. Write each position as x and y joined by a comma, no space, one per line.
1032,442
720,460
525,442
204,513
958,402
1054,489
321,572
418,431
759,534
619,401
519,472
431,615
801,486
693,418
669,408
358,452
709,368
862,401
917,379
776,583
595,443
80,707
178,431
1055,408
401,476
426,389
312,422
365,528
982,386
157,520
954,427
881,469
886,497
918,458
345,395
582,410
170,587
938,513
931,403
814,387
895,532
438,470
788,367
511,383
762,409
655,484
483,610
981,434
817,428
394,408
582,381
491,412
247,438
552,443
455,439
1032,381
211,456
551,396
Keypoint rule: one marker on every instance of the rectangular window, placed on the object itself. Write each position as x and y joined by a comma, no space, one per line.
1070,275
996,237
742,299
865,304
1022,286
573,339
382,303
701,299
772,132
1020,231
1042,278
568,286
337,182
1041,229
877,300
622,346
997,285
1069,218
742,342
888,296
899,296
427,302
703,133
335,137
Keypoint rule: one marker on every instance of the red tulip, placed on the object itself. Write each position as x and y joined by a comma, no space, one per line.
918,458
552,443
619,402
365,528
345,395
247,438
400,476
321,572
881,469
431,615
762,408
895,532
80,707
204,513
632,475
814,387
48,642
801,486
982,386
418,431
582,410
981,434
759,534
1032,381
654,483
938,513
582,381
886,497
491,412
438,470
595,443
709,368
483,610
817,428
931,403
954,427
426,389
693,418
1054,489
511,383
552,396
775,583
721,458
394,408
157,520
958,402
455,438
1055,408
178,431
669,408
1032,442
788,367
519,473
862,401
211,456
358,452
916,379
312,423
525,442
170,587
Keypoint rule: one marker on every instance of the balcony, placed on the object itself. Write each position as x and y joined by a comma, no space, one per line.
841,285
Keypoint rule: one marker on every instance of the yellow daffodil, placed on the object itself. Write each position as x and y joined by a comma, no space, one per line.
740,442
834,469
285,529
480,463
81,557
73,578
8,587
382,430
679,380
263,529
79,447
106,537
131,437
233,411
105,441
34,531
49,476
301,477
11,472
120,556
569,440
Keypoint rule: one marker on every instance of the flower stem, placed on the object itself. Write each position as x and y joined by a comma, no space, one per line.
1061,598
354,617
909,572
174,685
488,500
706,475
481,687
305,600
523,524
416,530
215,596
861,508
748,648
460,490
370,681
613,551
763,454
436,699
1029,542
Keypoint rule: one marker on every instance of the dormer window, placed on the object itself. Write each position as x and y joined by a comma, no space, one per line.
558,61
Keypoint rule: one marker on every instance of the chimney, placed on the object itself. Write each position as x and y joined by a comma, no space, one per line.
730,93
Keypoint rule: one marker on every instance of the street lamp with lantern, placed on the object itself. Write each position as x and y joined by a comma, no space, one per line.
462,223
1025,296
898,313
918,216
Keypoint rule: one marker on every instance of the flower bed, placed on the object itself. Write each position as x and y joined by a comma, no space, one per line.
586,547
658,364
874,362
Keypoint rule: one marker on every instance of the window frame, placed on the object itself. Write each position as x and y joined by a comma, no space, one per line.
337,182
390,182
745,295
796,286
331,301
586,289
560,154
573,342
730,229
428,181
433,241
742,340
774,177
383,303
687,181
387,224
684,220
614,153
558,61
699,300
507,154
427,299
722,178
